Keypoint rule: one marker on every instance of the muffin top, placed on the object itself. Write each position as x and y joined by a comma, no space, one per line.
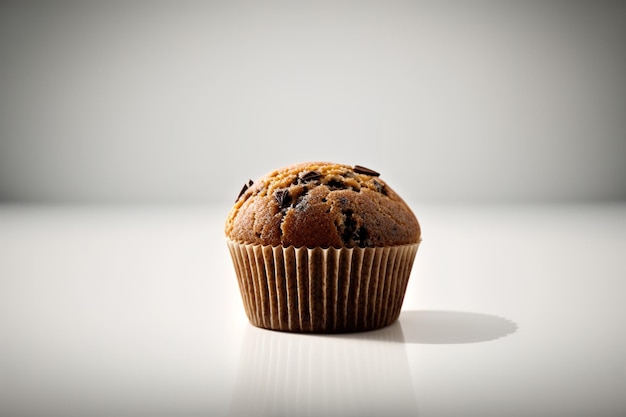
321,204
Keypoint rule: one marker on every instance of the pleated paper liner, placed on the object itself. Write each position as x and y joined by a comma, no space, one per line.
322,290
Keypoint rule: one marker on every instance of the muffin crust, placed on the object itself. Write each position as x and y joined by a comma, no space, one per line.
320,204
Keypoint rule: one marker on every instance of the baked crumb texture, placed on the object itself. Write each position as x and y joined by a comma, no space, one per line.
321,205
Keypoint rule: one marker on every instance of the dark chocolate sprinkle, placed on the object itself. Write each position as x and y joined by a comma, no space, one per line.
250,182
366,171
283,198
311,176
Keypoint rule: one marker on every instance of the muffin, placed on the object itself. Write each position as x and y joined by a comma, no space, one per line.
322,247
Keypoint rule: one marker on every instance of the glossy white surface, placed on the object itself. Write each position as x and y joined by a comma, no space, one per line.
512,310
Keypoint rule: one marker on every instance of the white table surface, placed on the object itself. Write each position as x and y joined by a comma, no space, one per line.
135,311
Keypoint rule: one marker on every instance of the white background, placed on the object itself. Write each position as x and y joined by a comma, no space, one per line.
127,129
184,101
112,312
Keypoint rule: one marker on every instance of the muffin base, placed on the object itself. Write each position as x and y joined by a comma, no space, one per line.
322,290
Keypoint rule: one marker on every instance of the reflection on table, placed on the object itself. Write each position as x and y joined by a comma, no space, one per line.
283,374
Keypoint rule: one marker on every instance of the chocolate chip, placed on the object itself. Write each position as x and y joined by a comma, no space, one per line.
244,188
311,176
335,184
353,234
379,187
366,171
283,198
363,237
349,227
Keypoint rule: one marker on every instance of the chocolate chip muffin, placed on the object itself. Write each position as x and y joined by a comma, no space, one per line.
322,247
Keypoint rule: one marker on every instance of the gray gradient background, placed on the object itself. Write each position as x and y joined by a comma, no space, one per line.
107,312
166,102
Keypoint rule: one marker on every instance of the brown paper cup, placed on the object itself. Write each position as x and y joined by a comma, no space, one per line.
322,290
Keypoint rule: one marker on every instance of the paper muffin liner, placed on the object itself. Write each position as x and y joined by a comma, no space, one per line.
322,290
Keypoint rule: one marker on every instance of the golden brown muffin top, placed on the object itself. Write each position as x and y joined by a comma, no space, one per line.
321,204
